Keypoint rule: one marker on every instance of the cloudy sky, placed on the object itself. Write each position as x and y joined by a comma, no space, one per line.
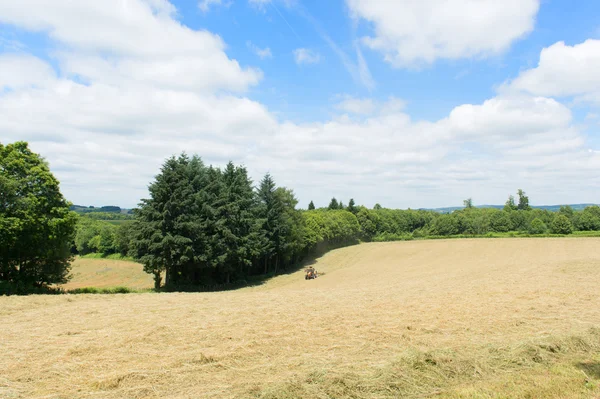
406,103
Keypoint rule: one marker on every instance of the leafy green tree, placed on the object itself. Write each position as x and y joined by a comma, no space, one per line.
588,219
333,205
561,225
341,206
500,222
36,226
311,206
567,211
352,207
468,203
523,201
446,225
510,204
537,227
377,207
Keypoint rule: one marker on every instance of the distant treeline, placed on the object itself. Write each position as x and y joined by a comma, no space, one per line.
204,225
104,209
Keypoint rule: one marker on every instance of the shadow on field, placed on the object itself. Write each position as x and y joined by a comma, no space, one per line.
591,369
258,280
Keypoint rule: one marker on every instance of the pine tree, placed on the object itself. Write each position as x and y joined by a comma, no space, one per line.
167,225
352,206
311,206
333,205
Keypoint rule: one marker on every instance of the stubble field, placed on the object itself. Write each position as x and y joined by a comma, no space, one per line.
481,318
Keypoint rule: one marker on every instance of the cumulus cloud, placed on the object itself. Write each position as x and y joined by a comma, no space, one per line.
413,33
22,70
564,71
119,105
306,56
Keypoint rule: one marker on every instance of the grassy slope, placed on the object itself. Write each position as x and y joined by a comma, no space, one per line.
449,319
106,273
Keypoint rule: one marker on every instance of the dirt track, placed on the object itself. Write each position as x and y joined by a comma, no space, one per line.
375,302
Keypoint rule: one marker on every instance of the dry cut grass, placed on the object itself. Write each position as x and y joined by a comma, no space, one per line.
500,318
107,273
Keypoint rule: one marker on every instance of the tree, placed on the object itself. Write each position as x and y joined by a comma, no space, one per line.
341,206
468,203
270,210
352,207
562,225
36,226
333,205
567,211
523,201
311,206
377,207
510,204
168,235
537,227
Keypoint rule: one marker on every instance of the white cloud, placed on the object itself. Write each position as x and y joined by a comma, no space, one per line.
411,33
564,71
135,103
134,40
21,70
205,5
306,56
262,53
359,106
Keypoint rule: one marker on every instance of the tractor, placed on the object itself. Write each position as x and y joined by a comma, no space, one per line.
311,273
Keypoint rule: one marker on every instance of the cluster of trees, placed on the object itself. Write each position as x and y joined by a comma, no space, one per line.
98,236
204,225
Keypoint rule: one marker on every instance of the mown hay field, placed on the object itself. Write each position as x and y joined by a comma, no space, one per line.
472,318
107,273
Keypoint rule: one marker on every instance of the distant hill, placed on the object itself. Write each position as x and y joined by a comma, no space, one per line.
104,209
552,208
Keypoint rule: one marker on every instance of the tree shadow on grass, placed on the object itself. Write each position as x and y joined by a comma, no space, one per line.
258,280
591,369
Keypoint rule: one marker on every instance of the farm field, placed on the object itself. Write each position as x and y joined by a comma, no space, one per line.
469,318
107,273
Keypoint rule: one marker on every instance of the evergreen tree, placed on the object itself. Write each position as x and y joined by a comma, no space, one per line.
167,223
235,213
352,206
333,205
270,210
311,206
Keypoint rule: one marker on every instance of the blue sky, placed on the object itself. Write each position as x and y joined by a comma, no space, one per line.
410,104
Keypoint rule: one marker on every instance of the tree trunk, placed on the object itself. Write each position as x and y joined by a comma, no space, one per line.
157,279
276,263
266,265
167,278
227,278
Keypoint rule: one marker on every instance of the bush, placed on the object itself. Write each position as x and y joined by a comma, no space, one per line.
562,225
537,227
